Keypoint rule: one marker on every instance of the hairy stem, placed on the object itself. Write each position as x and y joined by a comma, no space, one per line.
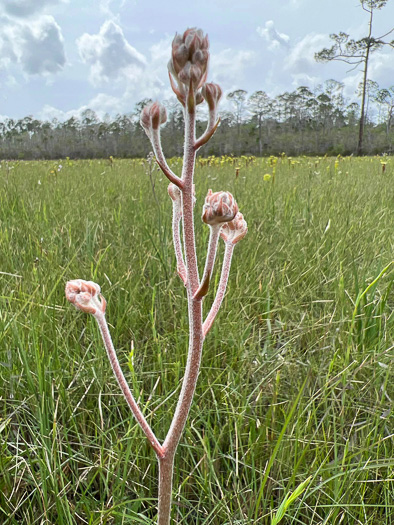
228,254
210,261
196,337
102,323
161,160
176,219
166,471
194,307
211,128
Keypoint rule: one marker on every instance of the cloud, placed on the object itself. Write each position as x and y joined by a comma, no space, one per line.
7,44
37,46
109,54
351,83
108,10
41,47
49,113
229,65
151,83
381,68
100,104
26,8
301,59
161,52
270,34
297,65
150,79
301,65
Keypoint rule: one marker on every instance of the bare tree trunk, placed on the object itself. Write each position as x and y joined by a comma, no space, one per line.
260,142
362,116
365,78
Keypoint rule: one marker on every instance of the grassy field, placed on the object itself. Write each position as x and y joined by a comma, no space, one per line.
296,381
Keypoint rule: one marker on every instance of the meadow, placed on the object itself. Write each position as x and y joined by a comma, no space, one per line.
296,382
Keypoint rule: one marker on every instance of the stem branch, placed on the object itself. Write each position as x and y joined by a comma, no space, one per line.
210,261
161,160
102,323
176,219
228,254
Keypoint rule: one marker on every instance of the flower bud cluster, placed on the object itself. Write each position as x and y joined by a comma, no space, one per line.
86,296
189,60
219,207
235,230
153,116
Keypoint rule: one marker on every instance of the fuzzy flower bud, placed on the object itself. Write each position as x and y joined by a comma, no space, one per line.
212,94
189,60
86,296
235,230
219,207
153,116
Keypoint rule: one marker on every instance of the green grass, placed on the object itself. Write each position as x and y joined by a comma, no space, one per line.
296,380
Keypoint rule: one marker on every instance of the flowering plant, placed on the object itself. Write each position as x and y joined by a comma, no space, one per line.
188,68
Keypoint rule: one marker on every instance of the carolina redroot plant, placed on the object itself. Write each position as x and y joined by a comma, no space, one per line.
188,69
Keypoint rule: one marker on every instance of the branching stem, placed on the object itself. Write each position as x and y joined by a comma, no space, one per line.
195,328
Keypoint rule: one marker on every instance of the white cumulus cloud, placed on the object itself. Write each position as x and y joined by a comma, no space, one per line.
381,68
7,44
37,46
301,58
275,39
229,65
109,54
41,47
100,104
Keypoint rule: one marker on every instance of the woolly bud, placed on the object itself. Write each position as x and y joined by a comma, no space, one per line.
235,230
153,116
180,56
212,94
189,60
86,296
219,207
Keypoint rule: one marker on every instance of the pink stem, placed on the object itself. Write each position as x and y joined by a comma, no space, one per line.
211,128
228,254
156,144
166,471
196,337
102,323
211,255
176,219
195,308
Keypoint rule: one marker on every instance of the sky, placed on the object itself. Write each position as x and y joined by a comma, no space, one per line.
60,57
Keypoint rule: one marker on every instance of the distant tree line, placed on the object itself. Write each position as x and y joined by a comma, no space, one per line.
304,121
